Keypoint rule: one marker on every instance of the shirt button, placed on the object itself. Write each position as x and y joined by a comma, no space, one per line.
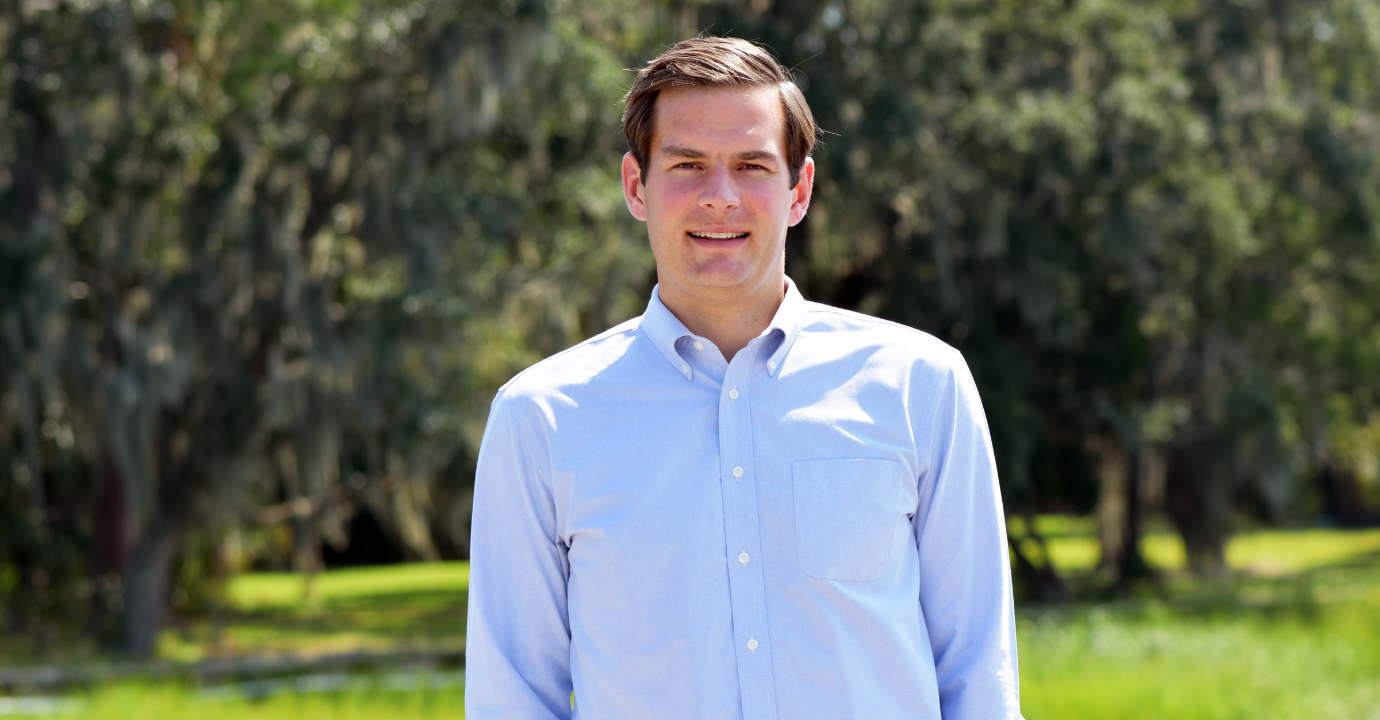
699,345
737,472
733,394
752,644
771,364
742,558
684,368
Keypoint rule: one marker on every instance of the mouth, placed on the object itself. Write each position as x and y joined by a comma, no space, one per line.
718,235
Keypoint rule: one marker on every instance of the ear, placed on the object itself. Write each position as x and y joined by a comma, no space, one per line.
634,189
800,194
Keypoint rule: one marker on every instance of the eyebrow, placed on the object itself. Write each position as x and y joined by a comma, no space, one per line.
676,151
756,155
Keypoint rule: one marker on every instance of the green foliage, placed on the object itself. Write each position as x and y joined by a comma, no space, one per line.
272,247
1150,227
266,263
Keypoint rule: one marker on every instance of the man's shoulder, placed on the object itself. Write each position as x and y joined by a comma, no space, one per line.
865,331
574,365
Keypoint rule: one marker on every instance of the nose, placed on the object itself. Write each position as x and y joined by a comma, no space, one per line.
720,192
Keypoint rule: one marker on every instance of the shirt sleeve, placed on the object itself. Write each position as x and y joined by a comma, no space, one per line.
965,575
517,653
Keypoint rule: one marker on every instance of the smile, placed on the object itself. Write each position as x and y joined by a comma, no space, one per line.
718,236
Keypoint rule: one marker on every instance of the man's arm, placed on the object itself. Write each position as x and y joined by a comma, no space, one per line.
965,575
517,649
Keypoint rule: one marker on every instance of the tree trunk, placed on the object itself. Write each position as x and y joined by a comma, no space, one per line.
1132,566
1196,496
1119,514
111,523
1343,498
1111,508
146,590
113,539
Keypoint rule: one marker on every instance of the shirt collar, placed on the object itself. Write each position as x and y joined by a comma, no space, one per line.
664,329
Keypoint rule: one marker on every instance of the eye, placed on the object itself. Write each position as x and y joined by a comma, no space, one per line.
753,166
687,165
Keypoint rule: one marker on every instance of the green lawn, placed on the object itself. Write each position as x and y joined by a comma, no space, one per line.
1296,634
1291,657
1073,547
268,590
416,606
174,702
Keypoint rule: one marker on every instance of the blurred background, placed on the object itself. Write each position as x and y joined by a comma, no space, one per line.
264,264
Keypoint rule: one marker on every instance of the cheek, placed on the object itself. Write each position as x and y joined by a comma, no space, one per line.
667,201
769,204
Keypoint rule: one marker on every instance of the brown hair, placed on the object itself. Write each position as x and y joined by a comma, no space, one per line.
713,62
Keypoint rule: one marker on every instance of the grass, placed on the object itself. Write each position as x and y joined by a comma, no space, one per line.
257,591
1073,547
175,701
1153,662
394,607
1296,634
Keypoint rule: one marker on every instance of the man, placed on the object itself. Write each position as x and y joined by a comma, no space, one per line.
741,504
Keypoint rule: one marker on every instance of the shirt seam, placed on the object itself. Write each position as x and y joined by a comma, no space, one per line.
923,499
541,463
813,307
601,337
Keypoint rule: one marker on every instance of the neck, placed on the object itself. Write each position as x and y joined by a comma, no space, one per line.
725,316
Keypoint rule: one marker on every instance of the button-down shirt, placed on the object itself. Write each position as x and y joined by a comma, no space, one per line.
813,530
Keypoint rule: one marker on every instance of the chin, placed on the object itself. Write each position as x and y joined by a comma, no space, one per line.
719,281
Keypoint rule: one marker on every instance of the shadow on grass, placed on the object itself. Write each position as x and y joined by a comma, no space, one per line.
377,621
1302,596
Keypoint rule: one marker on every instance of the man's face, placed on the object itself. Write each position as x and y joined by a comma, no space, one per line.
716,191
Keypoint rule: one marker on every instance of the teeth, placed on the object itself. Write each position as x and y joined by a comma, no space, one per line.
718,236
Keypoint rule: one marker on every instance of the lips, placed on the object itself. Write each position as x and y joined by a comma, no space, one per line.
718,235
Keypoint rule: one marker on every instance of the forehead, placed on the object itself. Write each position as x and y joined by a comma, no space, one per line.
720,119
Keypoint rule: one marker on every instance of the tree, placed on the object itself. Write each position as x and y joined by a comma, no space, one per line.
268,263
1109,208
299,243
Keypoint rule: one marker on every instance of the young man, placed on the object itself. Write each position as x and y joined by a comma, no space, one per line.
741,504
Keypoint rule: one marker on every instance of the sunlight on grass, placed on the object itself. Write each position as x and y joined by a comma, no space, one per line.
418,606
1164,551
1074,553
260,590
1265,552
1139,665
1274,553
1052,526
138,702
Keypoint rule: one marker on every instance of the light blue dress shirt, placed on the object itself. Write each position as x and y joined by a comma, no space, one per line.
811,531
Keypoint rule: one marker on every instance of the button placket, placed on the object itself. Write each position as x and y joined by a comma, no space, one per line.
741,529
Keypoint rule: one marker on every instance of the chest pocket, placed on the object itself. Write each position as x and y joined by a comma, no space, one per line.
846,513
